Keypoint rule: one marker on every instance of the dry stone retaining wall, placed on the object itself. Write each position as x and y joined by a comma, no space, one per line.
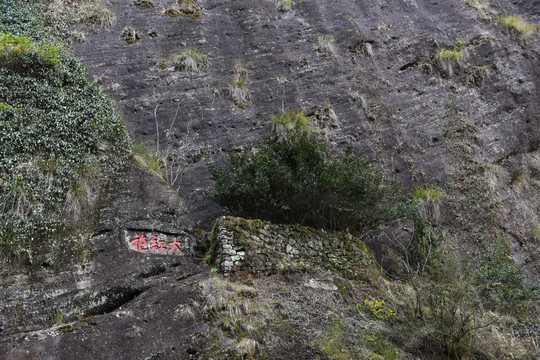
261,248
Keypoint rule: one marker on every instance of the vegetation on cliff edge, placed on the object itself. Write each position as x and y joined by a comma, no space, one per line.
60,135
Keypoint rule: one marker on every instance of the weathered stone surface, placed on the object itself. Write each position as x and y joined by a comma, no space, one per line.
385,95
109,298
386,103
379,79
318,284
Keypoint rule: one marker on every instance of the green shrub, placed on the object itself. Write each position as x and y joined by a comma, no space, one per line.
444,315
20,54
19,18
501,282
295,179
60,136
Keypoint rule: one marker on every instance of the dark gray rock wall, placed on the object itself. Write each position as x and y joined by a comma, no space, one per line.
107,297
474,133
395,102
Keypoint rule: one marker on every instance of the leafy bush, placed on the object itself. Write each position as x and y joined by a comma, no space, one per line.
19,18
445,313
295,179
23,56
60,135
501,282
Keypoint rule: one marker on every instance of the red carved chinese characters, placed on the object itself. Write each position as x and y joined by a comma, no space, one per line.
157,244
175,244
139,242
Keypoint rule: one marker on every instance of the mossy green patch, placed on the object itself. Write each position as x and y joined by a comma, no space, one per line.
334,344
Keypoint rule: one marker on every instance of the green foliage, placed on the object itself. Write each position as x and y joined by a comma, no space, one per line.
58,132
502,282
237,87
153,162
383,349
295,179
452,54
450,59
535,230
284,5
459,43
18,17
21,55
445,315
428,193
291,120
379,309
516,24
517,177
334,342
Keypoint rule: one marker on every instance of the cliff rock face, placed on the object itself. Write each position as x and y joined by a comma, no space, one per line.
192,79
369,75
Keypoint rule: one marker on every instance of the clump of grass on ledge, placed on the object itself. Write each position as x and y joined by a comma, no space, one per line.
239,92
284,5
191,60
429,199
481,6
131,35
516,26
324,44
144,4
189,8
90,12
237,86
448,60
155,163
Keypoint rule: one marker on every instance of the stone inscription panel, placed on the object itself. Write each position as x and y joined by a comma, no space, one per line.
154,242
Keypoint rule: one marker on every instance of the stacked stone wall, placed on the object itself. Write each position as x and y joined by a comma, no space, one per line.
261,248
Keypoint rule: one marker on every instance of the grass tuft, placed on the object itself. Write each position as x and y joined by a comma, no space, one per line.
284,5
189,8
144,4
324,44
448,60
516,26
237,86
191,60
131,35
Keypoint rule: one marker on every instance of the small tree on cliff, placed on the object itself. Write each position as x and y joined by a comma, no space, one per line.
293,178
